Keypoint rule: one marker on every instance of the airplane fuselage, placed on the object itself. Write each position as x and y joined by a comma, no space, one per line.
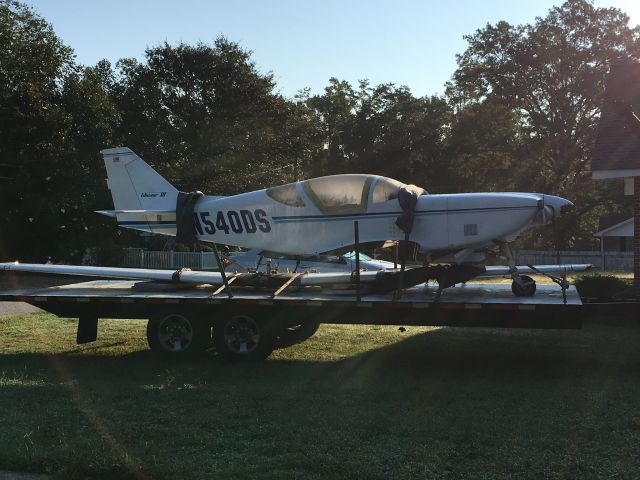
315,216
442,222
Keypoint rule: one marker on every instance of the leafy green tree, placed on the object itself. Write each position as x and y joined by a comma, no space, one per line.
33,66
54,119
383,130
485,149
401,136
551,73
335,109
207,118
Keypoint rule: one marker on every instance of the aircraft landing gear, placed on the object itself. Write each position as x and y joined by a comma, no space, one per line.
522,285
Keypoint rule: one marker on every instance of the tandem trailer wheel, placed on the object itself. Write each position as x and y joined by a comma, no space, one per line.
177,335
242,336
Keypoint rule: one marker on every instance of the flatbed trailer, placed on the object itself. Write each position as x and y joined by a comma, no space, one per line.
252,322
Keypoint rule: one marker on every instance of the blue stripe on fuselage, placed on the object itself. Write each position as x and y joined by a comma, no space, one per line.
145,225
356,216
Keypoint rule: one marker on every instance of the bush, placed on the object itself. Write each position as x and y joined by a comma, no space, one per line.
631,293
600,287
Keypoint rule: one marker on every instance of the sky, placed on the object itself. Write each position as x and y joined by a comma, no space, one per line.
302,43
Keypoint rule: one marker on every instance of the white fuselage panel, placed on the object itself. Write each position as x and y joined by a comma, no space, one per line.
442,222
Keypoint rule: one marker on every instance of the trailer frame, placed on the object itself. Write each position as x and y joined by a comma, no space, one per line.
288,317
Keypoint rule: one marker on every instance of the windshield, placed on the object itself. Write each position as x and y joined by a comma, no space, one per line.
287,194
386,189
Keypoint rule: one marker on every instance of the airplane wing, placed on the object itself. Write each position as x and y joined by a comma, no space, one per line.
182,275
502,270
374,281
186,276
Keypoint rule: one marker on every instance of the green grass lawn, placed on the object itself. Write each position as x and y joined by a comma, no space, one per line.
352,402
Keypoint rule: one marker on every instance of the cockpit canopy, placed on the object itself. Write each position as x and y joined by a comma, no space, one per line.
338,193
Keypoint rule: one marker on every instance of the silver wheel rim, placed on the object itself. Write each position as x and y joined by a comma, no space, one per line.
241,334
175,333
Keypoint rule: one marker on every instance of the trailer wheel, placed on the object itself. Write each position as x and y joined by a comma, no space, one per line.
242,337
175,335
526,288
296,334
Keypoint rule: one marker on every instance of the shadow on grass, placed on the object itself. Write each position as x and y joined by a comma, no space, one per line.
453,350
454,401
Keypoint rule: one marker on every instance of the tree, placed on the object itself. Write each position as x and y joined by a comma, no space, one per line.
54,119
33,66
485,149
206,117
383,130
551,73
335,109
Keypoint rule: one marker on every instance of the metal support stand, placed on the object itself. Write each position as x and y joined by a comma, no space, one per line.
403,263
225,282
356,234
395,256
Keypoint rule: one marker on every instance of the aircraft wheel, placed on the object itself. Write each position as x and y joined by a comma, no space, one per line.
243,337
296,334
175,335
526,289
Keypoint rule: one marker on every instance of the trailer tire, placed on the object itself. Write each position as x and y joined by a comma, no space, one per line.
526,289
296,334
176,335
243,337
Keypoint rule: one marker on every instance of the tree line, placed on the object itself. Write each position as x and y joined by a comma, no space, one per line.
519,114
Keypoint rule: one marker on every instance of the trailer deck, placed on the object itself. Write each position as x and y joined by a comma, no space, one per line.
472,304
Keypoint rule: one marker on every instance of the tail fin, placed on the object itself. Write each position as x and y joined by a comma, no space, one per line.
134,184
140,194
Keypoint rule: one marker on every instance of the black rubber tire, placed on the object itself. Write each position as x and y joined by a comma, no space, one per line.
241,336
528,289
296,334
175,335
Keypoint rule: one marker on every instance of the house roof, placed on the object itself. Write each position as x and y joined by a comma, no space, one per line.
622,229
617,144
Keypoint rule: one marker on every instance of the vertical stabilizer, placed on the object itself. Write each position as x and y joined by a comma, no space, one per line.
134,185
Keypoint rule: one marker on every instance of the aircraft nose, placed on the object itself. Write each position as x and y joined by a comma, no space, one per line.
551,207
557,203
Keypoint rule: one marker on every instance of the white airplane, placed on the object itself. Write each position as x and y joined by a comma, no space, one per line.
316,216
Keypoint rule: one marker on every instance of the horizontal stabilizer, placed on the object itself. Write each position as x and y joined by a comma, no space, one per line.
117,213
107,213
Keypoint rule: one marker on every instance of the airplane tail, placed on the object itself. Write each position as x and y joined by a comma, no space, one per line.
142,198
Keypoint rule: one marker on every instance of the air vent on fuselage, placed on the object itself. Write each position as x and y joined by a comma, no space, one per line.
470,229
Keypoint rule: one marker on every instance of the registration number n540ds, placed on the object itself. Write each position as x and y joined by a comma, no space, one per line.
232,221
